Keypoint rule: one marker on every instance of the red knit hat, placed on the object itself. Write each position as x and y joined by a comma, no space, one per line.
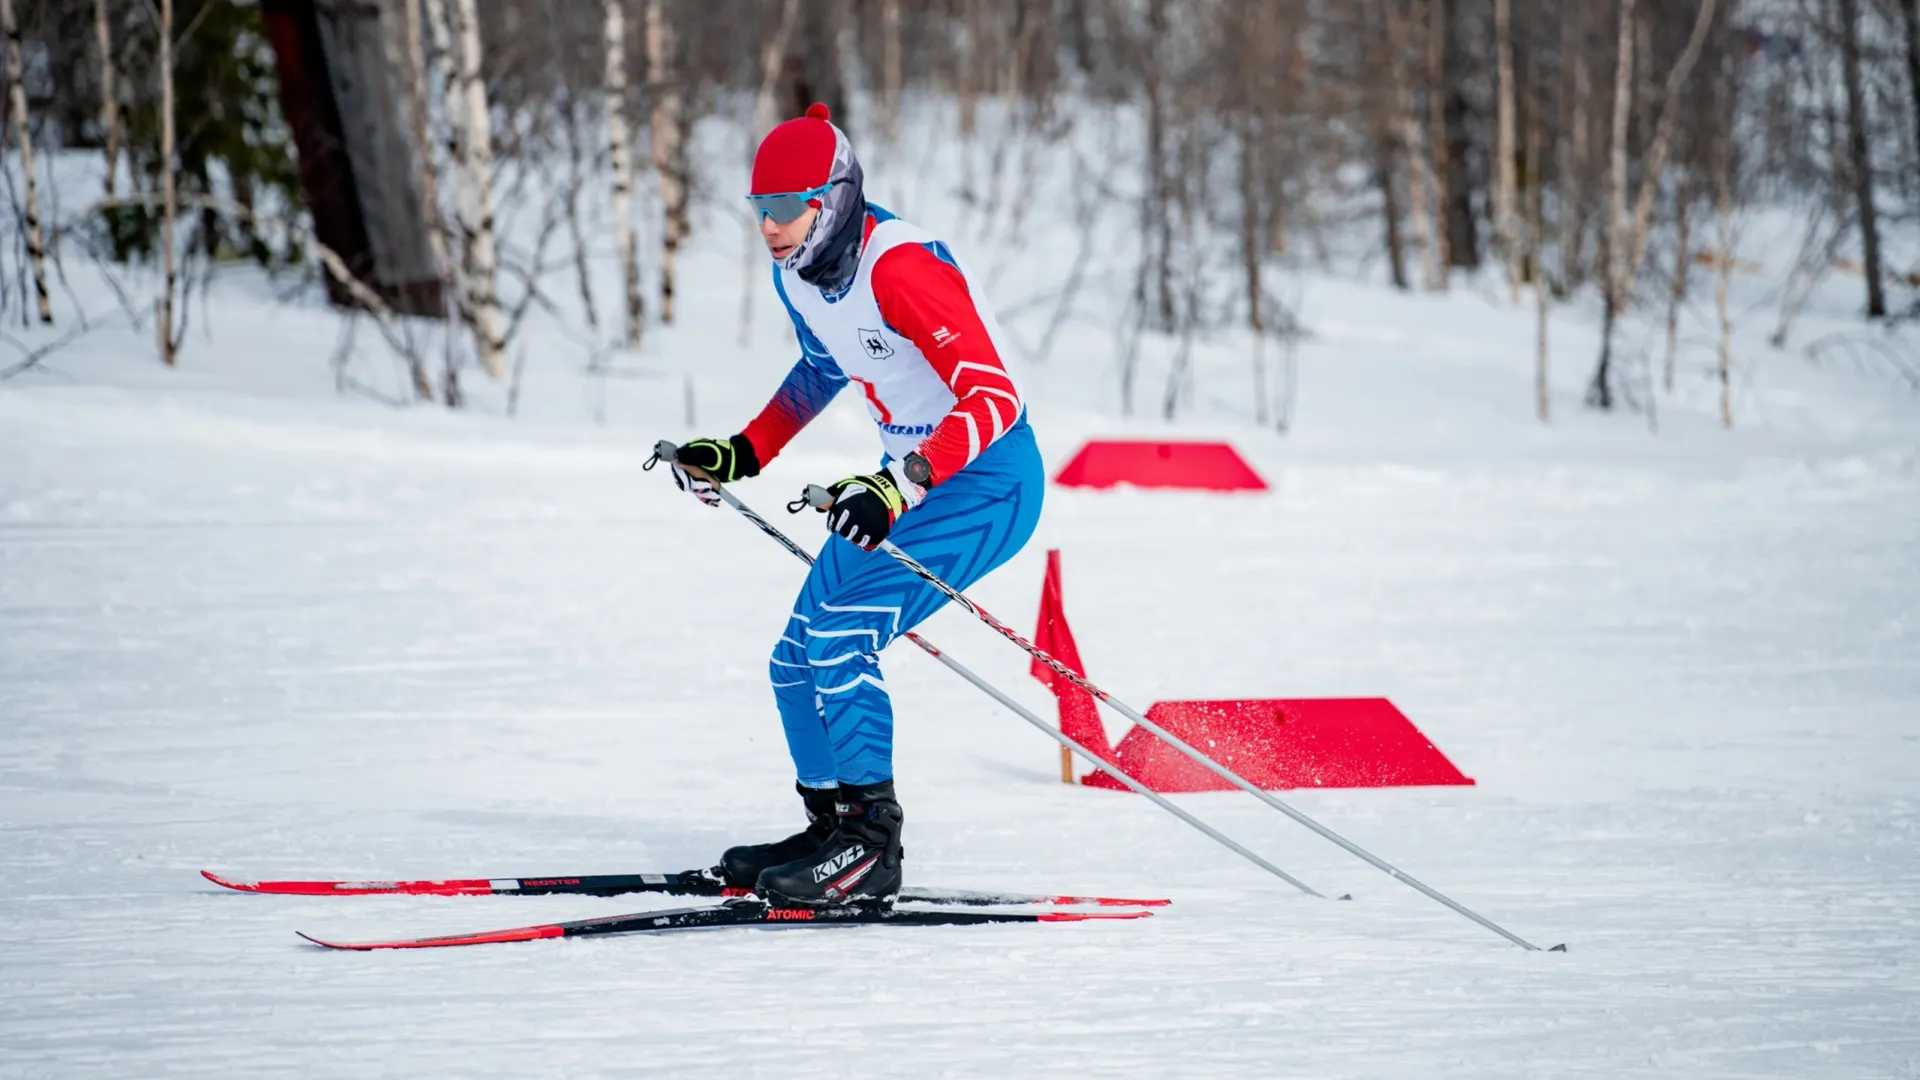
797,155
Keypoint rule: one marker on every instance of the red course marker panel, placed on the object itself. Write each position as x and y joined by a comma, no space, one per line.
1283,743
1207,466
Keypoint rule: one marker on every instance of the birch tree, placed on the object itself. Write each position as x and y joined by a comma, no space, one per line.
669,146
419,120
1627,241
109,91
23,134
1600,391
470,140
620,152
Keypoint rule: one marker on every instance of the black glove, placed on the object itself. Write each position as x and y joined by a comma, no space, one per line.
865,507
725,462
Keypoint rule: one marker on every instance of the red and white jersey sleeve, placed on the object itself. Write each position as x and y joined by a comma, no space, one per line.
925,299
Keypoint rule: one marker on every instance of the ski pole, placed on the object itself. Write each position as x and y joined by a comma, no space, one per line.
665,449
819,498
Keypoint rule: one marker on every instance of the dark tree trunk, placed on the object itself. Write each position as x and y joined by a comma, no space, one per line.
1910,15
1390,209
811,71
1463,228
1858,158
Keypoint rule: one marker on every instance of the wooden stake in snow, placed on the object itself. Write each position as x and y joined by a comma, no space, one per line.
620,151
109,91
468,115
669,146
17,96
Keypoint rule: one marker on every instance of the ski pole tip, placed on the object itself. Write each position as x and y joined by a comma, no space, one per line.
1562,947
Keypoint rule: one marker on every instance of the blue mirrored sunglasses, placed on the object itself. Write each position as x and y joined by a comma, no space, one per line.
784,206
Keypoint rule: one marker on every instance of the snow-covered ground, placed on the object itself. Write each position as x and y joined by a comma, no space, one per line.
251,625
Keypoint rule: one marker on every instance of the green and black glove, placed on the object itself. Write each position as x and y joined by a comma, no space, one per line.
865,507
723,460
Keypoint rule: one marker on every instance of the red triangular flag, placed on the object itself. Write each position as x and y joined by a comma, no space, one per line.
1079,716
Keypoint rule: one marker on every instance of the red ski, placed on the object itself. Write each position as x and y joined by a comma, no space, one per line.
738,912
684,883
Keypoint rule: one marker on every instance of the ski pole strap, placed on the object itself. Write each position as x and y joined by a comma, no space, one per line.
664,450
815,496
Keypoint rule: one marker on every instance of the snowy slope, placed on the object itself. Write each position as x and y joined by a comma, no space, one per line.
250,625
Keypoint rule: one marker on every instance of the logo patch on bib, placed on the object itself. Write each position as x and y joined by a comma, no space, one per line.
875,345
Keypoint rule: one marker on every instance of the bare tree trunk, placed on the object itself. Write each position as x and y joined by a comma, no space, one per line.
467,111
1390,208
169,208
1536,239
1858,157
1573,149
1723,220
441,67
1600,391
1159,223
23,133
404,54
1625,252
1250,255
1506,184
620,151
1437,131
1910,16
419,119
889,70
1413,151
669,146
1655,161
752,269
577,171
109,91
1682,261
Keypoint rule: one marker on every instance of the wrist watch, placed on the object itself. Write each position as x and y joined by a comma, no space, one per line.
917,468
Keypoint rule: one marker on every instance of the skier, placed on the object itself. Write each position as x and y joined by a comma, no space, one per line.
876,301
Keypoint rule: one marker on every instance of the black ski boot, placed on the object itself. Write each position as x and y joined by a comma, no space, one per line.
859,863
740,866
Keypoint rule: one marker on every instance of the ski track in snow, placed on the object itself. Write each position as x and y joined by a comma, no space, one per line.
378,647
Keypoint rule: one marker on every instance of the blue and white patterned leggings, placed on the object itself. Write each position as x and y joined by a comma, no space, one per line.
826,665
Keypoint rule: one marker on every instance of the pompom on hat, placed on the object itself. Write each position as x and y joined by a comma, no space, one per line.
802,154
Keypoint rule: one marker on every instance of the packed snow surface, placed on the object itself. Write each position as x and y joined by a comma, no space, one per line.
251,625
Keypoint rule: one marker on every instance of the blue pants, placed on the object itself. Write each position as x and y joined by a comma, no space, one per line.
826,665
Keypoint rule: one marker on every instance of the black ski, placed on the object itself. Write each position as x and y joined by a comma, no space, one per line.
736,912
